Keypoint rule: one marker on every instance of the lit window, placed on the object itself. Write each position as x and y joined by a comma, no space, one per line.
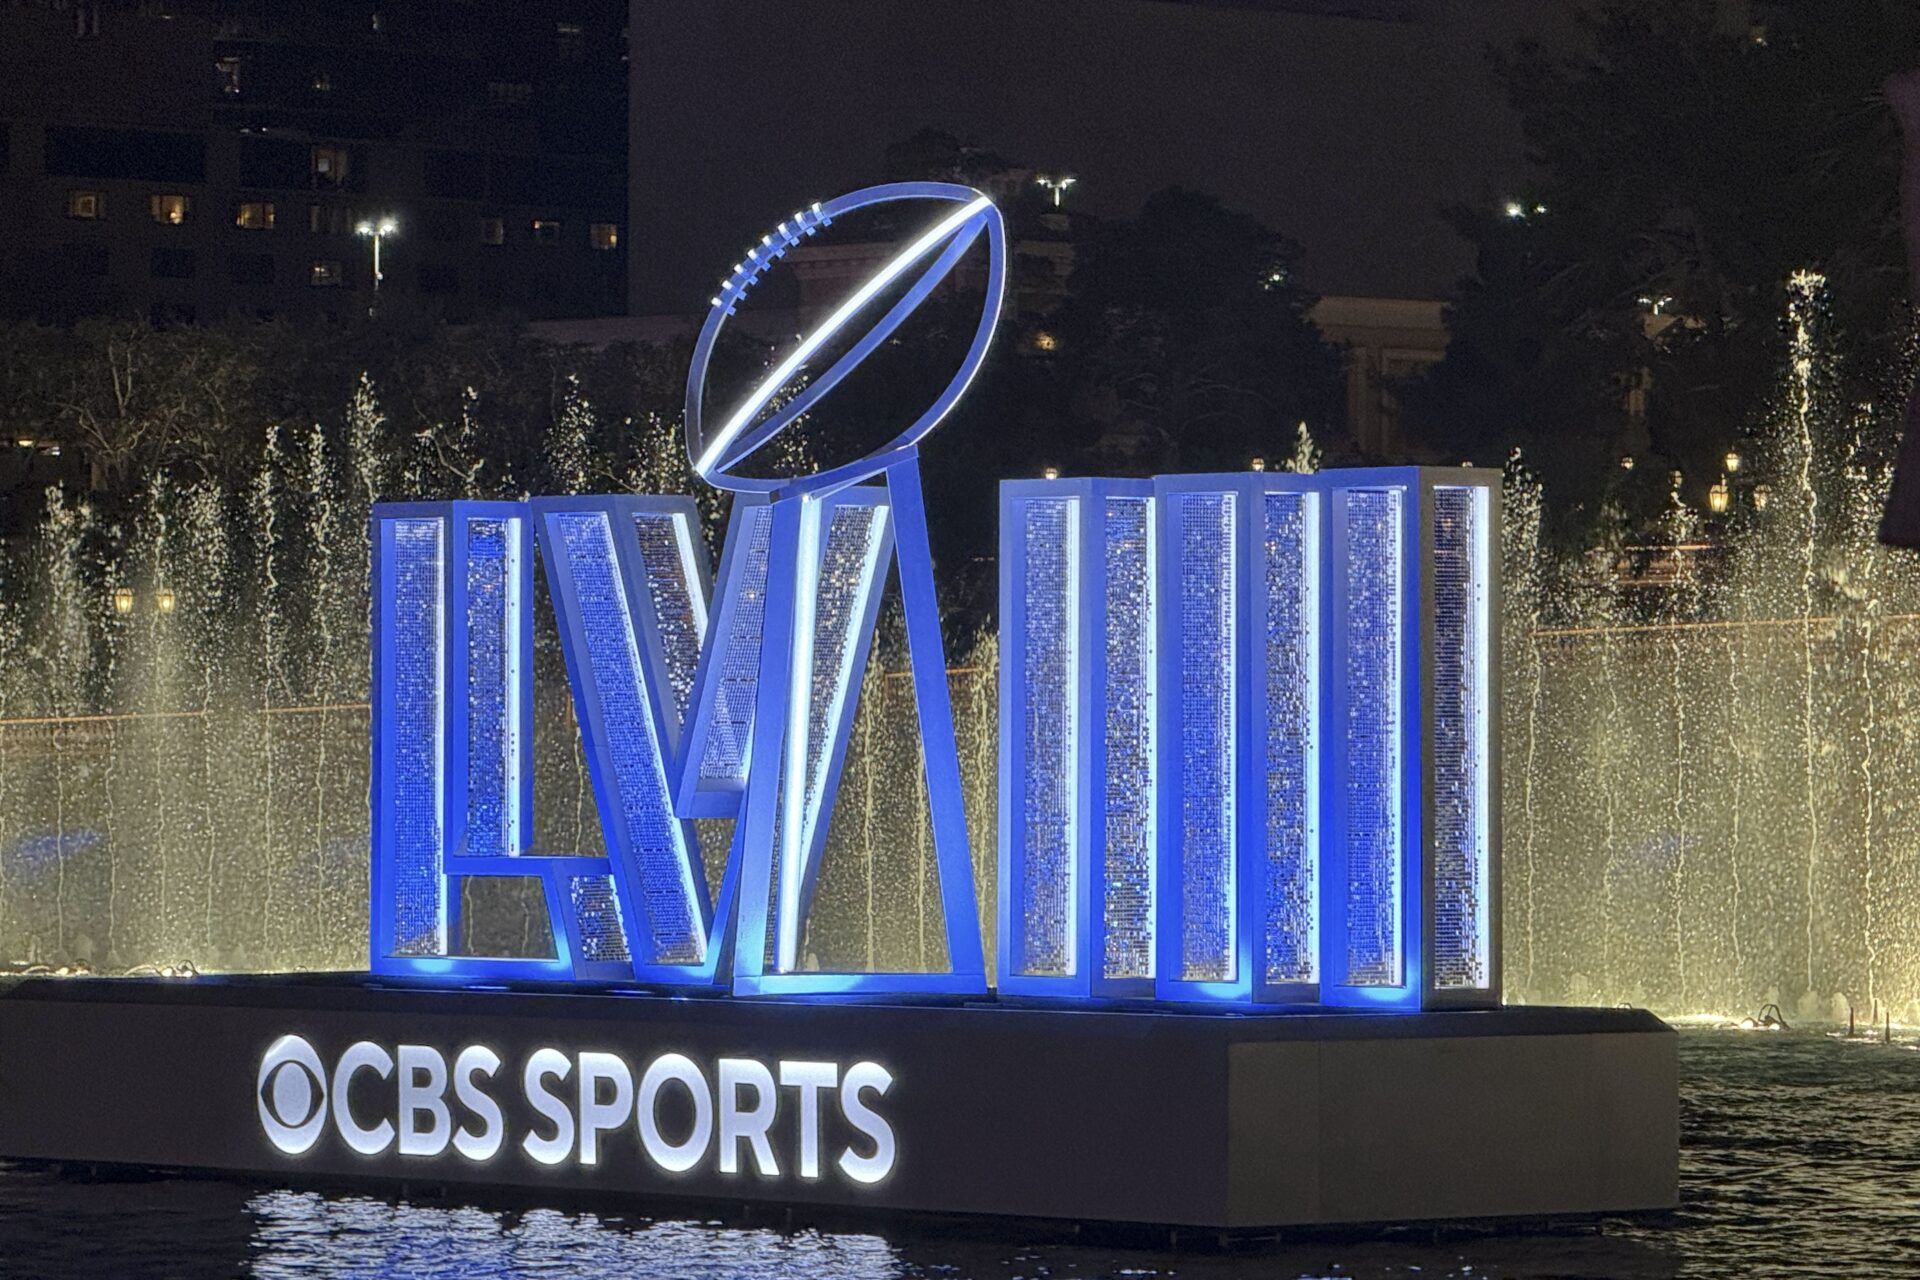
254,215
546,231
170,210
87,204
227,75
325,274
604,235
493,231
329,166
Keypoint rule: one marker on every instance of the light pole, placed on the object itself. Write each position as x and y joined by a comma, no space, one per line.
377,232
1056,185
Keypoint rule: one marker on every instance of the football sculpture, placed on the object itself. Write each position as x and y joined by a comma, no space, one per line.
716,447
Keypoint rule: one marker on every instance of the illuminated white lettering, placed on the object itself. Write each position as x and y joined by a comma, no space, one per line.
290,1094
368,1057
597,1117
860,1077
484,1145
736,1124
544,1063
423,1089
675,1157
809,1078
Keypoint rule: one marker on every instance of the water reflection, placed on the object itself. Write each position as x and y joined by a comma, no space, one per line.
303,1234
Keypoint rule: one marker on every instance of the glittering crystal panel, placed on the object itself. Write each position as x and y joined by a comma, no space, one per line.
492,746
1127,789
666,556
1207,810
737,682
849,548
596,909
1460,621
1290,928
657,854
419,892
1049,665
1373,671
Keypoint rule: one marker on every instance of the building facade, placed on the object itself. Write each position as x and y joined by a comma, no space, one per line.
186,160
1388,342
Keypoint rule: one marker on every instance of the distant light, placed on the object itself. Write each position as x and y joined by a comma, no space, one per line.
1056,185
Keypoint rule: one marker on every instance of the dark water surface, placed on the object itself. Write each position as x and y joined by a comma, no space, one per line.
1801,1156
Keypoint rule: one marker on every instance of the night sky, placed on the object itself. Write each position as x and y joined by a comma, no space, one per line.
1348,133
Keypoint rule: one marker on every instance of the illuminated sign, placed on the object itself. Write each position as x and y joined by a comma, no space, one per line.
730,702
739,1116
1248,739
1248,749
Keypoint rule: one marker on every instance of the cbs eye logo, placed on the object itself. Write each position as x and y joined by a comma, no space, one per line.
292,1095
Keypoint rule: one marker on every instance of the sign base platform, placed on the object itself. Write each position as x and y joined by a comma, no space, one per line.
1159,1116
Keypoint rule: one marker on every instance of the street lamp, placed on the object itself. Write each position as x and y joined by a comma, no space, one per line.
376,232
1056,185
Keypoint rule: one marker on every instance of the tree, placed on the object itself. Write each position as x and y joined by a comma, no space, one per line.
1186,343
1688,166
